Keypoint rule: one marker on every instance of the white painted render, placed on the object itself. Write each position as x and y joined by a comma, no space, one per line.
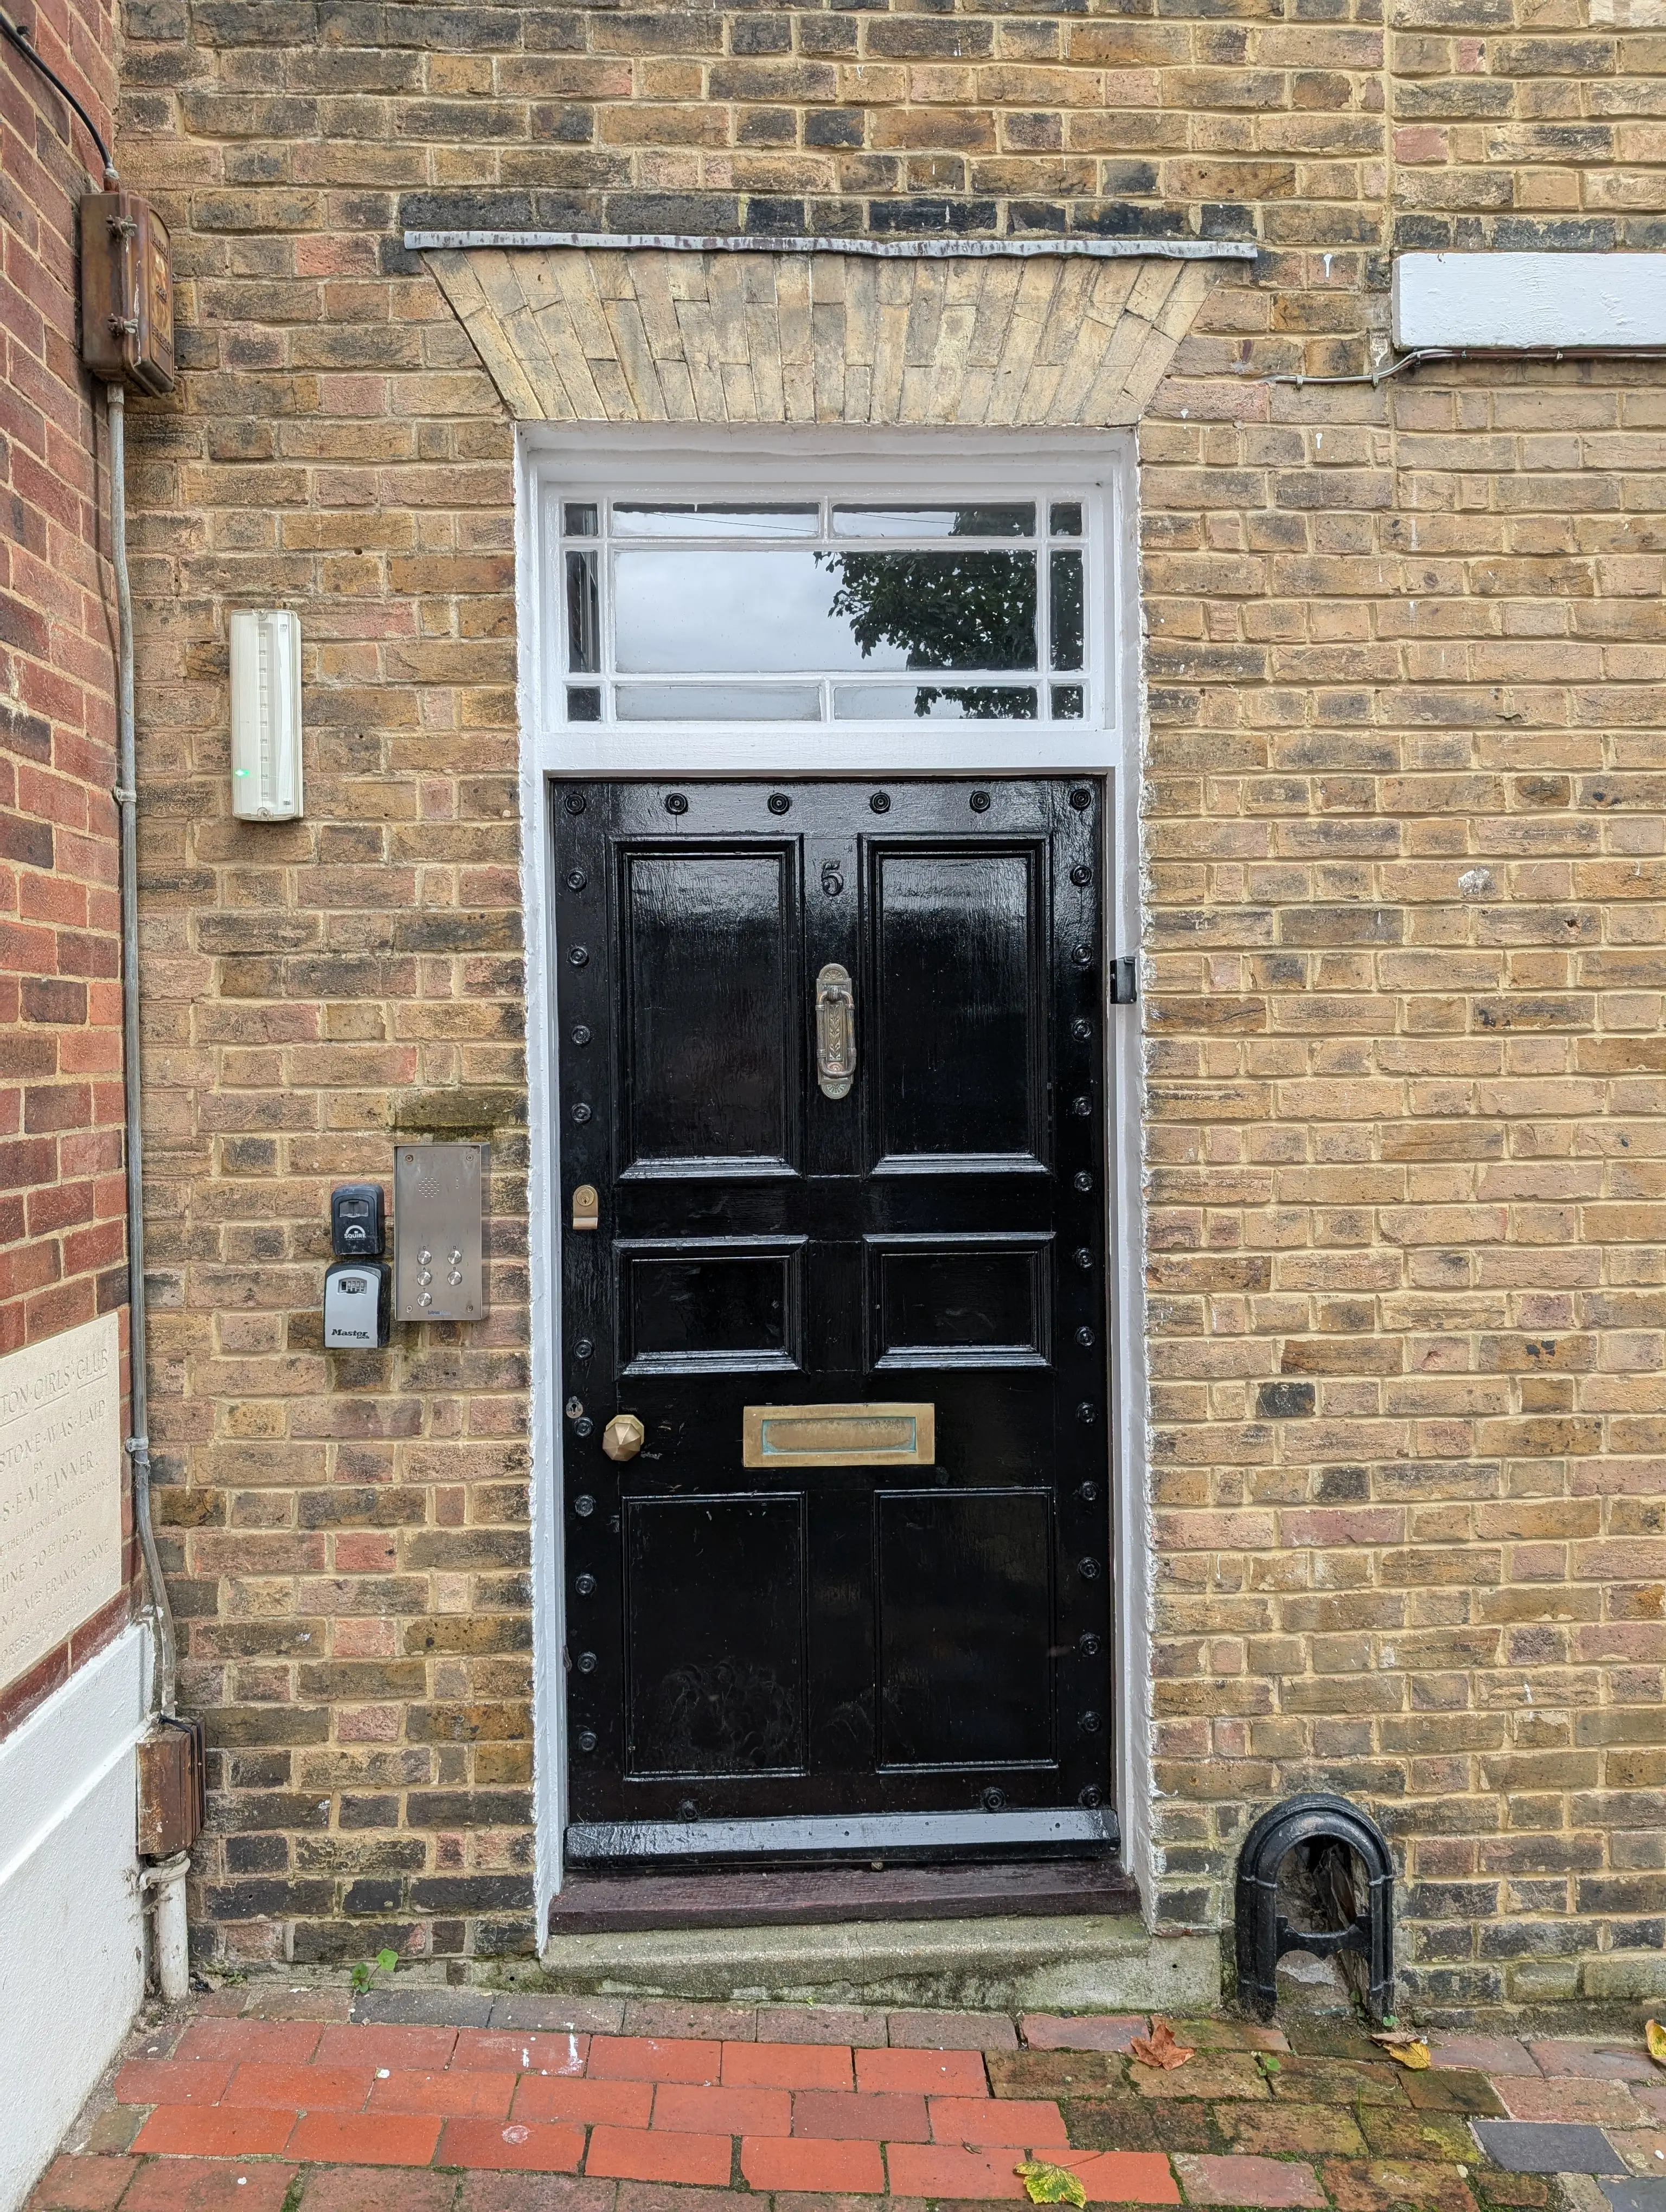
71,1934
673,460
1510,302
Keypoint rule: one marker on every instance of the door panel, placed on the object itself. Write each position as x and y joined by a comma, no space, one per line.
966,1628
710,1039
691,1308
958,1071
978,1301
715,1634
789,1641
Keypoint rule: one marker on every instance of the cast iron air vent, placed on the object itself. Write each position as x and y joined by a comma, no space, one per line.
1310,1823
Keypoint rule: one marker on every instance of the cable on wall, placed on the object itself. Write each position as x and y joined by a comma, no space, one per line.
17,36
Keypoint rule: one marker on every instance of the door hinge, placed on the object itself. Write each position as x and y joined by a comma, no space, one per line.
1124,981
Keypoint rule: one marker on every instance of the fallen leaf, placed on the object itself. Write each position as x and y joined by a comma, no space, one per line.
1655,2036
1159,2047
1404,2045
1049,2184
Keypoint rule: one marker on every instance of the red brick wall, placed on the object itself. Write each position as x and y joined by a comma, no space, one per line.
62,1197
61,1189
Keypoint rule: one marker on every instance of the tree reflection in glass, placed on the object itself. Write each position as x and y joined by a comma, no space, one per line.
971,609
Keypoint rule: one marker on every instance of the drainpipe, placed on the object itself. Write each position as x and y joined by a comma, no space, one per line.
166,1880
160,1611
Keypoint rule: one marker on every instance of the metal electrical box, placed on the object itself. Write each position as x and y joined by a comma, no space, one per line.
127,292
172,1784
439,1216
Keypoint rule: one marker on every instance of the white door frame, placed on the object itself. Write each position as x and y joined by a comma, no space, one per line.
552,460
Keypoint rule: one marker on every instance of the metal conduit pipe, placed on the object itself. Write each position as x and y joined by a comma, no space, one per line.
157,1608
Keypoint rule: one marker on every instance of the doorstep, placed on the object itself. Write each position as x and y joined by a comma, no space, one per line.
1004,1962
785,1897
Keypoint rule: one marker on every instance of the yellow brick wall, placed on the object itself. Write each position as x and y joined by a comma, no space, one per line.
1407,905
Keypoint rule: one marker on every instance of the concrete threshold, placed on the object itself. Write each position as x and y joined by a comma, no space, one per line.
1071,1963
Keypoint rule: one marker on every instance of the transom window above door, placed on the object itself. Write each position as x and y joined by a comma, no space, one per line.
834,608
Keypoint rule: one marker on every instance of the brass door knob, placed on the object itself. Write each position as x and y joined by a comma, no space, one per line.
624,1436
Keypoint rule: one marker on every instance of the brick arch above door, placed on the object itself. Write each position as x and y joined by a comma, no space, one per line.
667,332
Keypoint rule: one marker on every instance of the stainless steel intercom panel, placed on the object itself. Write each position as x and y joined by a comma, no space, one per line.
439,1213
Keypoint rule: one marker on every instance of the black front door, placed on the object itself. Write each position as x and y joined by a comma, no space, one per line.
833,1334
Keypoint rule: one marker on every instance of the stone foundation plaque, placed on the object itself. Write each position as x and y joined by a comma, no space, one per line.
60,1489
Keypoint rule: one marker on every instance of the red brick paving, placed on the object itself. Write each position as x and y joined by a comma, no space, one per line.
843,2117
940,2073
641,2059
1259,2181
461,2092
1044,2031
215,2131
640,2155
83,2185
694,2109
1024,2123
492,2049
522,2145
366,2138
540,2097
741,2107
171,2184
787,2065
810,2162
173,2082
273,2042
300,2088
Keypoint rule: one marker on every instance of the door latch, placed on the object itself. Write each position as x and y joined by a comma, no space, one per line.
586,1207
836,1031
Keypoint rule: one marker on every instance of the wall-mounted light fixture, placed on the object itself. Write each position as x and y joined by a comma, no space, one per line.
265,716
